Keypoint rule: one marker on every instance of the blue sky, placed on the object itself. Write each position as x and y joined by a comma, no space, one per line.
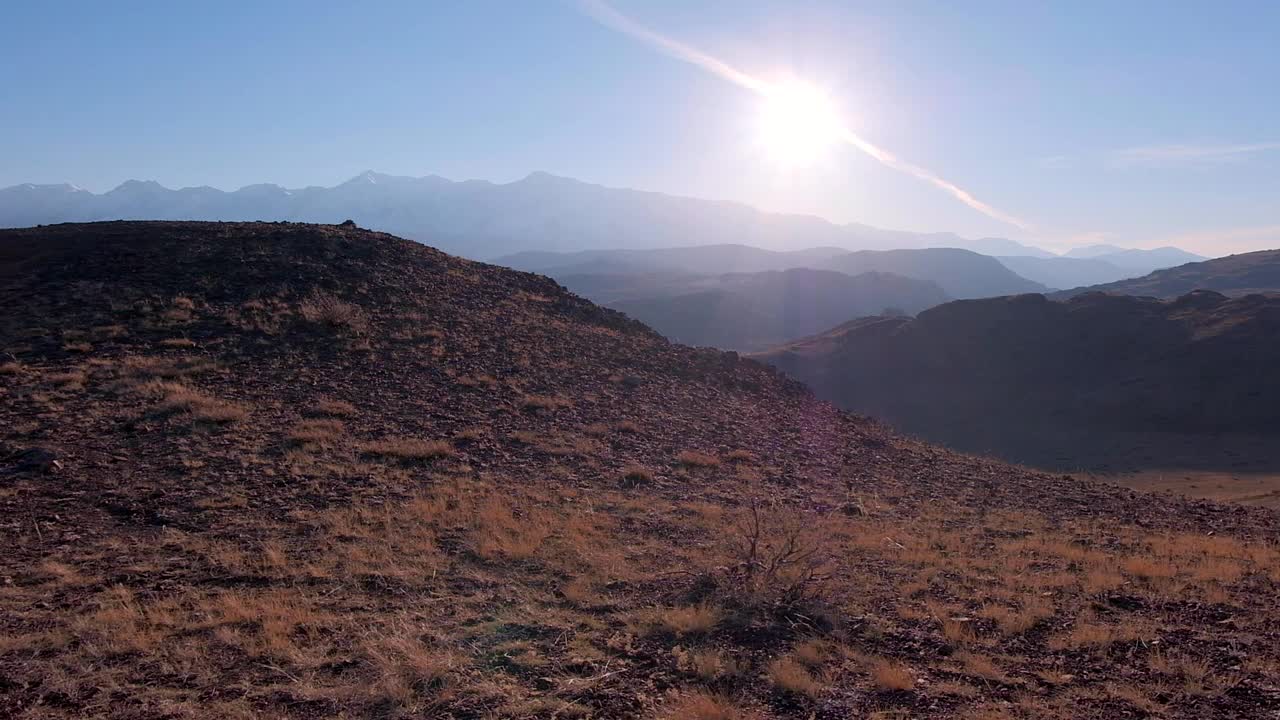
1135,123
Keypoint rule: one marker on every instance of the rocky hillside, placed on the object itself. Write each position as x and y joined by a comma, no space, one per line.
1255,272
1094,381
298,471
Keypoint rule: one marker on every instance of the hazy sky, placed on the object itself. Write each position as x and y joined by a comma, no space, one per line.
1134,123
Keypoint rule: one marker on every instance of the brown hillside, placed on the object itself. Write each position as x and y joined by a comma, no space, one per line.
297,471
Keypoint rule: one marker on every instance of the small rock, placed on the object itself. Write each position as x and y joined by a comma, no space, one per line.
38,460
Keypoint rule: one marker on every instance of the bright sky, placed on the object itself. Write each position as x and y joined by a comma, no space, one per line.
1134,123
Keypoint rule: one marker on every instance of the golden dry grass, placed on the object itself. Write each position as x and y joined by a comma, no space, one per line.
788,674
695,459
176,398
703,705
633,475
409,448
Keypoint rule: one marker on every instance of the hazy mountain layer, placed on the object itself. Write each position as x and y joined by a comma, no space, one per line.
479,219
758,310
1093,381
960,273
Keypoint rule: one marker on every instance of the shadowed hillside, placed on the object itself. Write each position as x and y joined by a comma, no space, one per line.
1095,381
298,471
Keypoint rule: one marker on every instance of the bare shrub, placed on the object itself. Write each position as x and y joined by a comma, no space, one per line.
777,560
334,313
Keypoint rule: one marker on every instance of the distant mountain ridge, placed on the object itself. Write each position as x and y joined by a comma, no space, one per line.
481,219
959,273
1234,275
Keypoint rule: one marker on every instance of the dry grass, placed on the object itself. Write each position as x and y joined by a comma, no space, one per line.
501,533
634,475
889,676
188,402
702,705
1016,621
980,666
409,448
707,664
315,431
470,435
682,621
694,459
476,381
334,408
790,675
543,402
1087,632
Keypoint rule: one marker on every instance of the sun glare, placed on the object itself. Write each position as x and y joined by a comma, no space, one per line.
798,123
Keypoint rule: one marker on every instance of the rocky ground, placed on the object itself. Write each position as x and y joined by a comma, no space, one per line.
279,470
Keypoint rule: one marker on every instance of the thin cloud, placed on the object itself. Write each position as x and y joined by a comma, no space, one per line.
1189,153
606,15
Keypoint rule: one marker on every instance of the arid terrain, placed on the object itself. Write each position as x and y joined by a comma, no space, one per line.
300,471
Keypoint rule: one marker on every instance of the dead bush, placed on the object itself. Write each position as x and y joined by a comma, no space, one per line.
776,571
333,313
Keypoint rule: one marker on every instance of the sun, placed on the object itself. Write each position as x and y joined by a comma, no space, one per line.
798,123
